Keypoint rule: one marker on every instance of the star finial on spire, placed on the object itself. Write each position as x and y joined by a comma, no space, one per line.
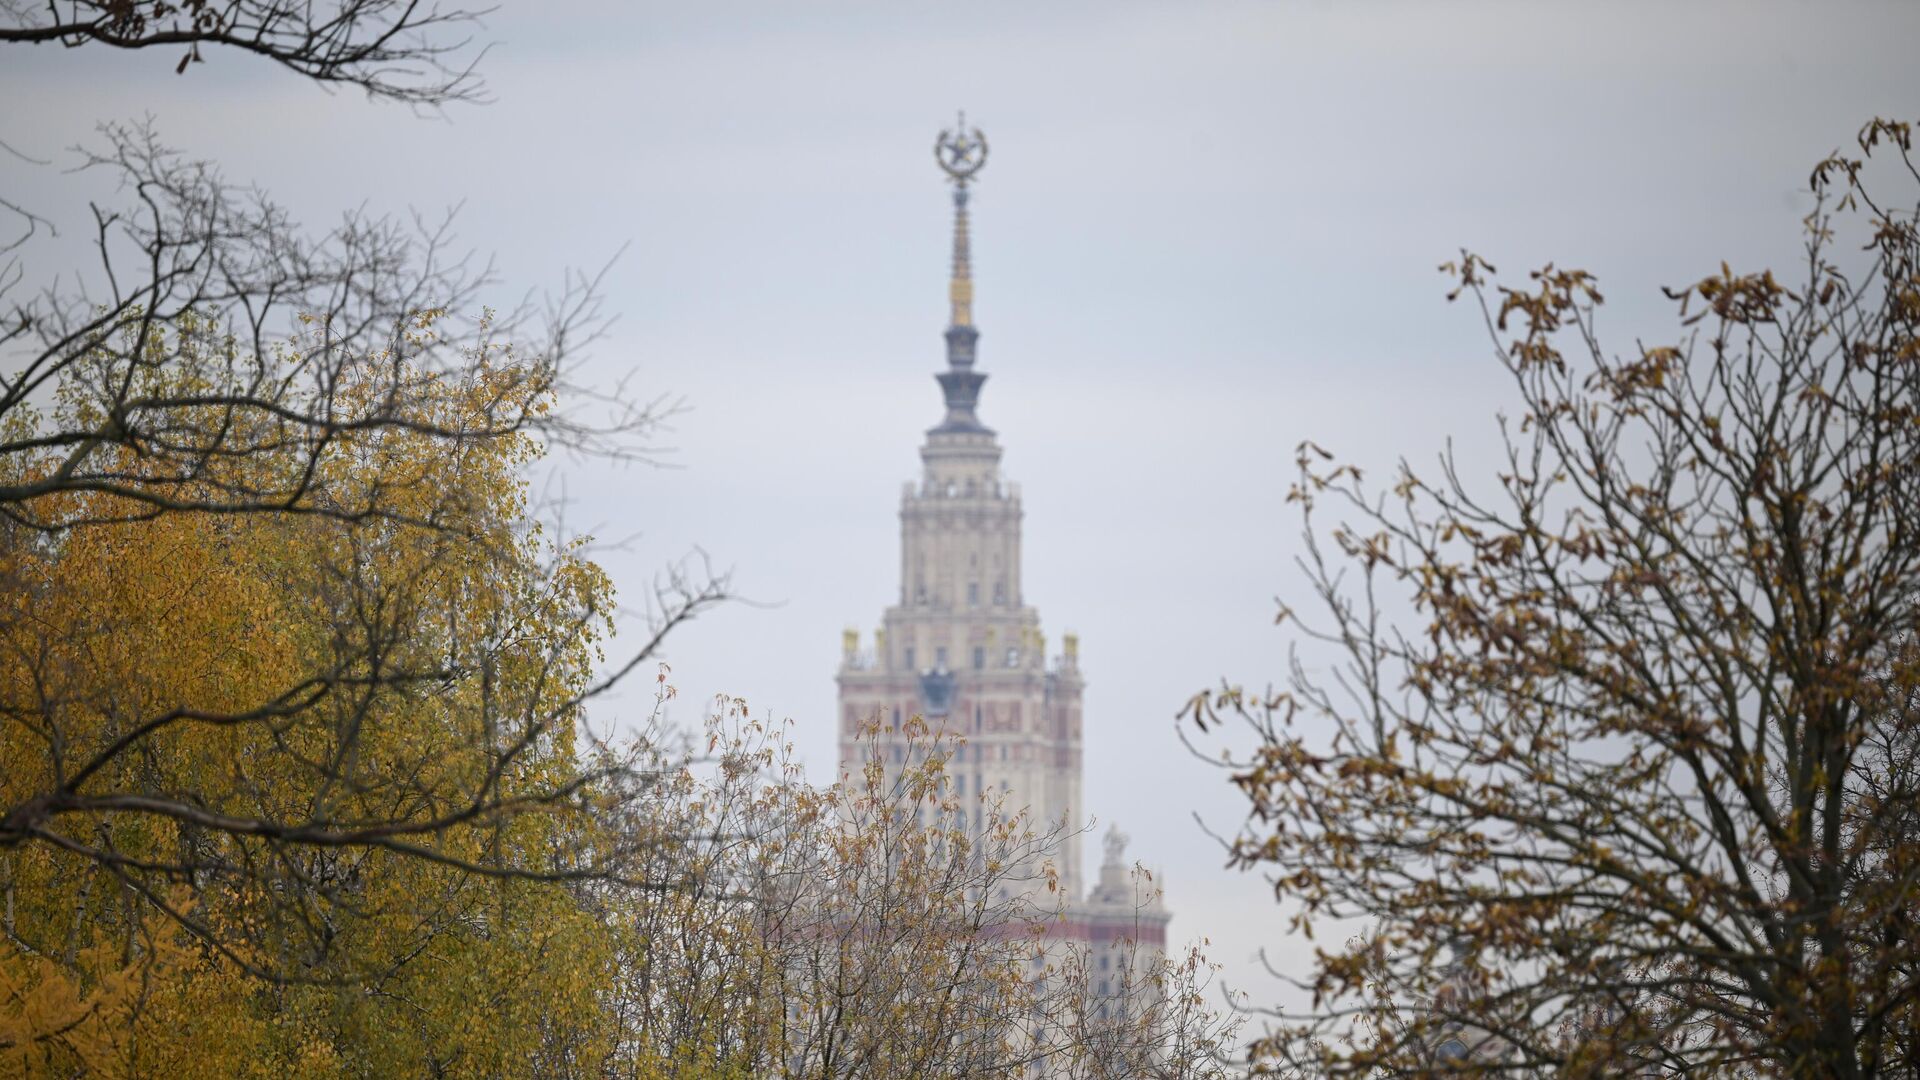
961,152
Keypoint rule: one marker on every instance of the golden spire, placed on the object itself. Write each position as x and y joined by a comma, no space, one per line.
960,288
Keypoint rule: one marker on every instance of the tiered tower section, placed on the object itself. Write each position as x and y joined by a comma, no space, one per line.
961,647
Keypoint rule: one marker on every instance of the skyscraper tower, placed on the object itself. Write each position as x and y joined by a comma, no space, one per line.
961,646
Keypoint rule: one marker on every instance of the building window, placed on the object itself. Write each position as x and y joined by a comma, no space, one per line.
973,594
960,784
940,657
979,657
896,718
909,658
976,718
999,592
1013,657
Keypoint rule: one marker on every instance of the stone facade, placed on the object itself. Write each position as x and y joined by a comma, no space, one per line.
961,646
962,649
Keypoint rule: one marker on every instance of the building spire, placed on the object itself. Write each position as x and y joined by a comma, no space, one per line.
960,286
961,152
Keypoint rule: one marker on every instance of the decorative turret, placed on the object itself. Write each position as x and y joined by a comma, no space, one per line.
961,153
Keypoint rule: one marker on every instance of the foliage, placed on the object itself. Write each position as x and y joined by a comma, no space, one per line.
291,677
864,930
1632,794
339,754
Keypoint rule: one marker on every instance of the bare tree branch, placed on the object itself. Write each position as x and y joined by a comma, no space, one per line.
398,50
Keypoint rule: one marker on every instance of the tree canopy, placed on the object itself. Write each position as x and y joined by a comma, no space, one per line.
1628,789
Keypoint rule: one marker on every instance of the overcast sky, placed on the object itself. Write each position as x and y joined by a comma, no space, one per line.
1207,232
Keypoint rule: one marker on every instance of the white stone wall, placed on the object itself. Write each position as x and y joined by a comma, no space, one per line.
961,607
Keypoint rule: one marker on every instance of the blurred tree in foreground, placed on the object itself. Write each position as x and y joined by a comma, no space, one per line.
863,930
292,680
295,779
1634,793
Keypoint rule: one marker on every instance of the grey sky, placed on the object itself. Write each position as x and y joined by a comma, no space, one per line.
1207,232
